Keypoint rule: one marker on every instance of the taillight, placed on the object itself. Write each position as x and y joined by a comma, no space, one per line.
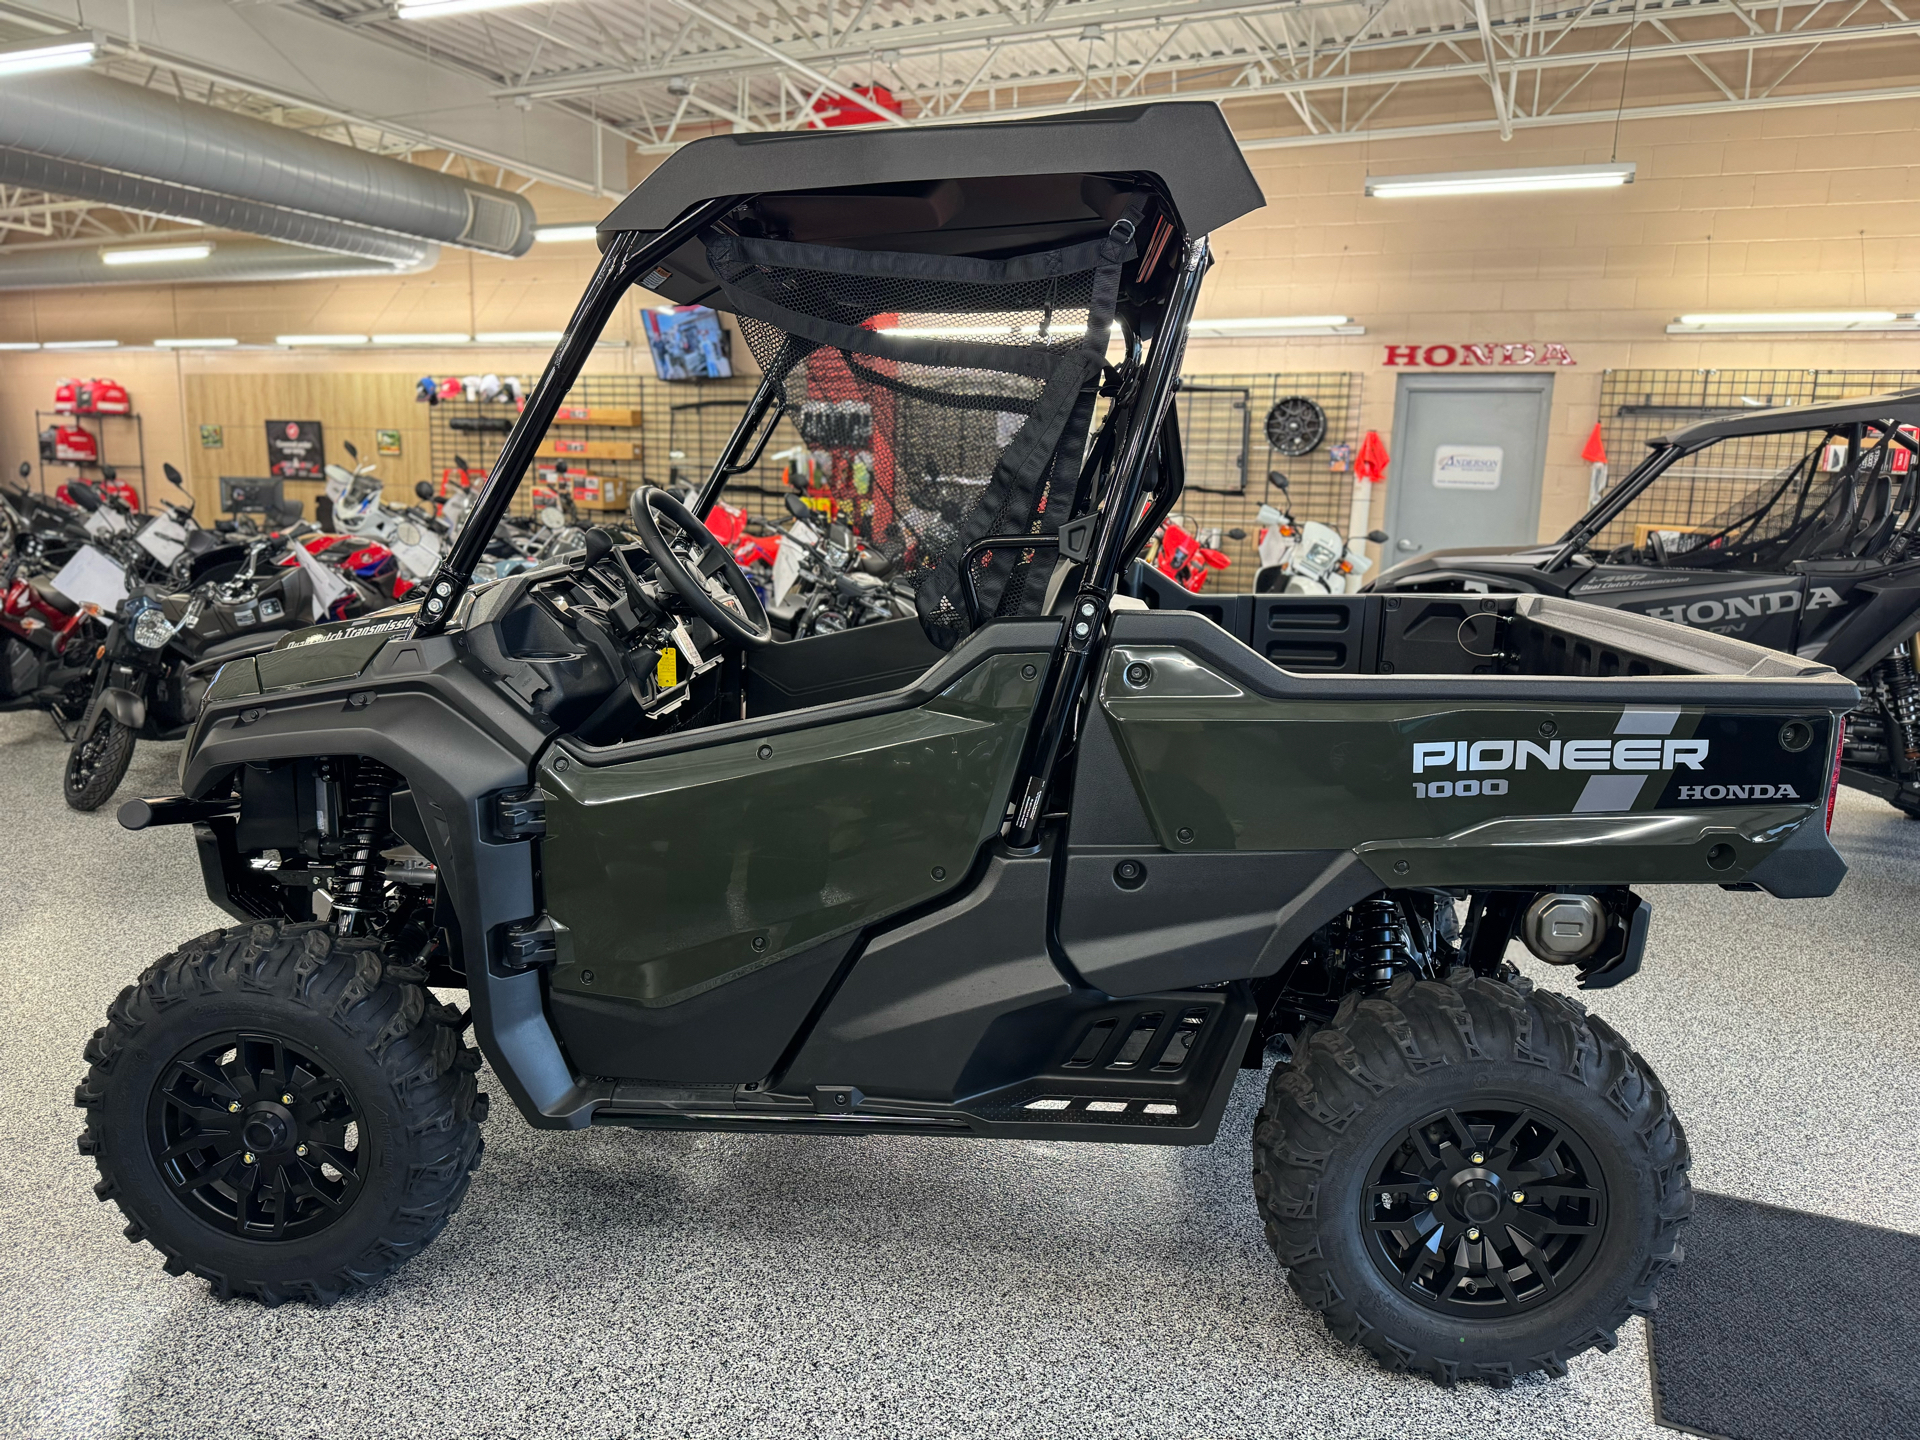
1834,775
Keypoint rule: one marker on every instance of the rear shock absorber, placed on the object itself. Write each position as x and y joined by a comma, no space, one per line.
1903,699
363,822
1377,941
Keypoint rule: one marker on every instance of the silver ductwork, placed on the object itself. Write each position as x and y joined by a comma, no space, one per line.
176,157
224,212
234,258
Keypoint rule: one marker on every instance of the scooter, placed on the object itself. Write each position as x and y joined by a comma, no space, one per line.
1306,557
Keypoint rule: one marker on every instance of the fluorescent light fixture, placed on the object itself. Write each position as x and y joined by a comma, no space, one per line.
80,345
157,254
431,9
1256,327
19,345
1764,321
440,337
520,337
1501,182
320,340
48,52
566,232
209,343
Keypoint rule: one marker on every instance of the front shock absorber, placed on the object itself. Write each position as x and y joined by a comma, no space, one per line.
357,888
1377,941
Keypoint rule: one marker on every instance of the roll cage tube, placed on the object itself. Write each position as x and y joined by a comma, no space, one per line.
1648,471
1082,636
627,257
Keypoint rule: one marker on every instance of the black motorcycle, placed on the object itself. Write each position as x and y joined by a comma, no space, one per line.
842,583
165,647
1810,549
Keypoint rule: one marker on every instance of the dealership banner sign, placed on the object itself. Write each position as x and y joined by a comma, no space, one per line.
1457,356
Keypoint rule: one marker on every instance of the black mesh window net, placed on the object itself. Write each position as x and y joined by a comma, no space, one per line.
948,398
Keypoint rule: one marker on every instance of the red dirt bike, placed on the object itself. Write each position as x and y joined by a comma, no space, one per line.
1188,559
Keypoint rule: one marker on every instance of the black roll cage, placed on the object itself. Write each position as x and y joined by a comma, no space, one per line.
1664,453
1120,512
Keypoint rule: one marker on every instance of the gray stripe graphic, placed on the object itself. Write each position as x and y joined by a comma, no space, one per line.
1647,722
1609,793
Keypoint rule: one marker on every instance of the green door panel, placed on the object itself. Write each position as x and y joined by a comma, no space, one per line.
677,873
1435,787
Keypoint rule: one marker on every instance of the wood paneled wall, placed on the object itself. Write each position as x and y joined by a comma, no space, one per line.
348,406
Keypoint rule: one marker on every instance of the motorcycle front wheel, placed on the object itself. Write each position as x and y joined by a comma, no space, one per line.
98,762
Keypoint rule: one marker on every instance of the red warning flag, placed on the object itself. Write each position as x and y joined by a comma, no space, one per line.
1595,452
1370,462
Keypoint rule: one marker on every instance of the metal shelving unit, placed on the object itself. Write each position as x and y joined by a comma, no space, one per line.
99,431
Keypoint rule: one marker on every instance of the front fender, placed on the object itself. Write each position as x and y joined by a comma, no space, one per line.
124,706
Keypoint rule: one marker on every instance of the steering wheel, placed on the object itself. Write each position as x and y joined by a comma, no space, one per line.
699,567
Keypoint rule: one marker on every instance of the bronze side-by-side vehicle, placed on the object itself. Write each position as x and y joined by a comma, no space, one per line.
1040,862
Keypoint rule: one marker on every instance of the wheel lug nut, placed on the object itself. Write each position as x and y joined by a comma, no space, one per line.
1474,1233
247,1156
301,1149
286,1099
1433,1195
233,1105
1477,1158
1519,1196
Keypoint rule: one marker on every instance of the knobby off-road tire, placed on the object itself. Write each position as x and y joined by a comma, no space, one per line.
97,762
1437,1054
360,1168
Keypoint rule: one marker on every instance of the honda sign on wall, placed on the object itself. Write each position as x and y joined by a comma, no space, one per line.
1441,357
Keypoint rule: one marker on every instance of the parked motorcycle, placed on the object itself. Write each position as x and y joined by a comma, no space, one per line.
412,537
1189,557
165,646
46,639
824,580
1306,557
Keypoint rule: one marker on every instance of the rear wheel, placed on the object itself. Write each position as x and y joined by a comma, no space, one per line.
97,762
1470,1179
282,1112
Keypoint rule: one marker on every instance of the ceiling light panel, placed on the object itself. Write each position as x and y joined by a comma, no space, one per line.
1500,182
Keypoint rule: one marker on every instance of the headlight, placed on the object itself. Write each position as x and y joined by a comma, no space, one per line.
152,629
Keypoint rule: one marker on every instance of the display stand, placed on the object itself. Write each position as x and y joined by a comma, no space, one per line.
100,431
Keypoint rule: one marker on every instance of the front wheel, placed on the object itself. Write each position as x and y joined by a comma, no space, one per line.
97,762
1470,1179
281,1111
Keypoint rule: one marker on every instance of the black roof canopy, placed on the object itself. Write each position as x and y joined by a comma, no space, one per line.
990,190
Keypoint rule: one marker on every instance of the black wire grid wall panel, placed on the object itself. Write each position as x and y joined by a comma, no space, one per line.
1229,459
1640,405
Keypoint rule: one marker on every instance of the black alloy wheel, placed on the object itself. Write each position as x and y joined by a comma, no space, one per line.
257,1137
1486,1212
1295,425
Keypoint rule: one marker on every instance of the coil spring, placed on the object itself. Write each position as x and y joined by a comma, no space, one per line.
1376,940
362,824
1903,699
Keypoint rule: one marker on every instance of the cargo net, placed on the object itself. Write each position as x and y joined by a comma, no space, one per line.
941,401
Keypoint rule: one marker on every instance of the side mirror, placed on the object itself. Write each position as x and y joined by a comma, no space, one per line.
798,508
173,476
461,461
1277,480
1379,537
560,467
108,474
424,489
1237,534
348,446
83,495
26,470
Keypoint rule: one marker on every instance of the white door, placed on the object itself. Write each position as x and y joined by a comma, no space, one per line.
1468,455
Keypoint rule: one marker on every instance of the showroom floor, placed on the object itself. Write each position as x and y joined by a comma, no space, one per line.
622,1282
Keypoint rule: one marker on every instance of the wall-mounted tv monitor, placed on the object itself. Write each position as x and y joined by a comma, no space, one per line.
688,343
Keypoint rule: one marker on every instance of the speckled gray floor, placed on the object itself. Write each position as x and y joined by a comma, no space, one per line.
626,1283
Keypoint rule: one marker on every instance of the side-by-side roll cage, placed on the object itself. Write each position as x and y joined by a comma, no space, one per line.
1131,470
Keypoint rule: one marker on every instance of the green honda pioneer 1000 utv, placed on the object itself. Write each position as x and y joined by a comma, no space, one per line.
1039,862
